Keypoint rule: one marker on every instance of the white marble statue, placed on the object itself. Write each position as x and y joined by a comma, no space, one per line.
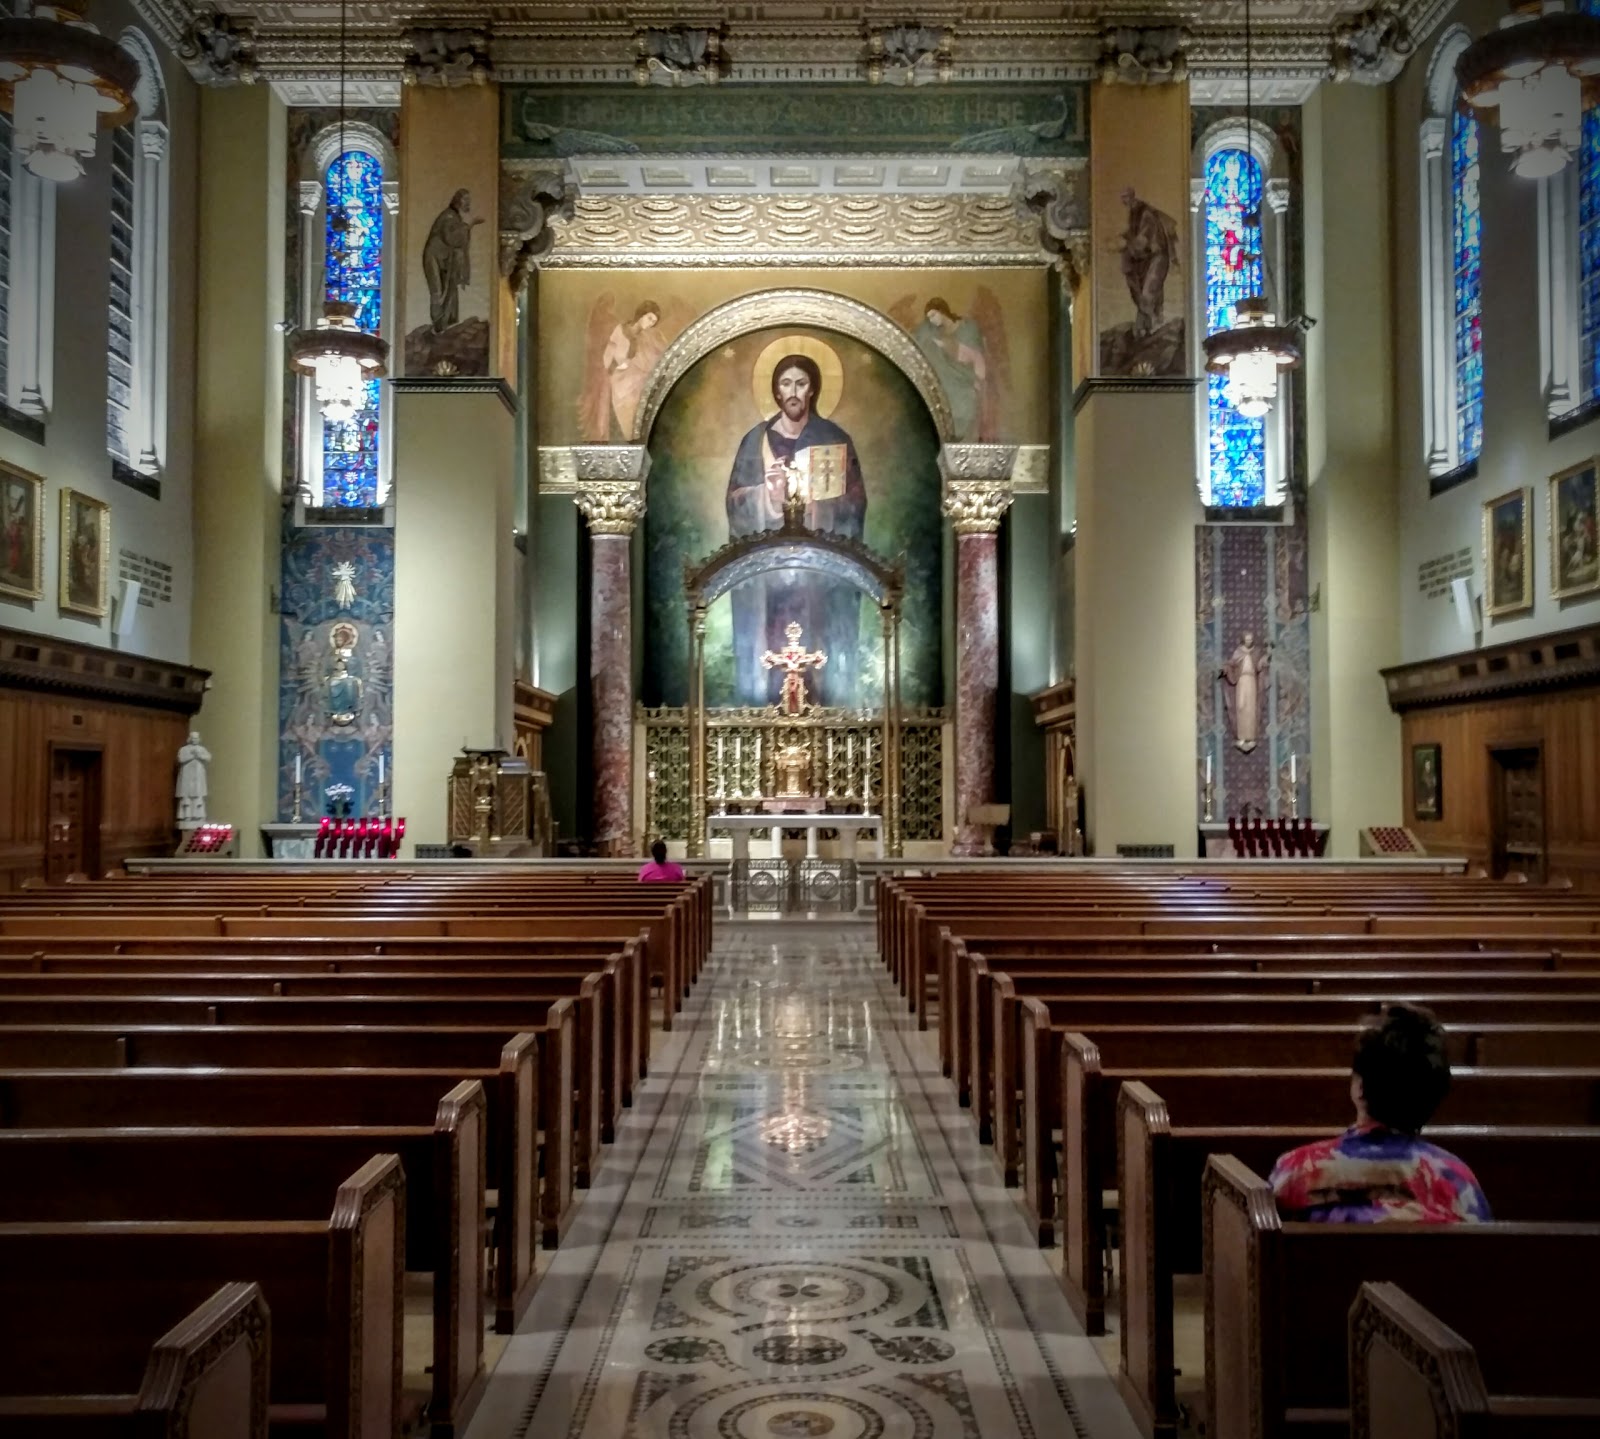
1245,677
190,790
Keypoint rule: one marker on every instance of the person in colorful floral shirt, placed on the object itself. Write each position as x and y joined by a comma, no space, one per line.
1381,1168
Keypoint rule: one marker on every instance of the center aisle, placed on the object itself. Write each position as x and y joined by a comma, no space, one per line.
797,1235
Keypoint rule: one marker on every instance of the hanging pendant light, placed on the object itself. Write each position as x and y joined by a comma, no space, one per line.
338,353
1538,71
62,80
1254,349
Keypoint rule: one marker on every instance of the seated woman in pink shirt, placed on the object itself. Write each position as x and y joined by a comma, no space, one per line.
659,870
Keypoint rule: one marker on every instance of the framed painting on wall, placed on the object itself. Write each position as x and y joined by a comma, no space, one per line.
1575,531
85,553
1427,800
21,534
1508,552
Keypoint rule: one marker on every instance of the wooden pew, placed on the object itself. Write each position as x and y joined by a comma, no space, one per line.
1278,1294
334,1289
555,1024
1532,1175
1413,1377
218,1175
206,1378
279,1099
1288,1096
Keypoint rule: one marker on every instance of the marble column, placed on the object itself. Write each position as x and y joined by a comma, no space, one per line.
612,507
975,506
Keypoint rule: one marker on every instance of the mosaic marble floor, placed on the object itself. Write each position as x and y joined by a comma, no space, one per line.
796,1235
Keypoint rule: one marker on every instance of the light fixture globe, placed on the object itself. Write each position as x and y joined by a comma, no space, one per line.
62,80
1252,352
341,357
1538,71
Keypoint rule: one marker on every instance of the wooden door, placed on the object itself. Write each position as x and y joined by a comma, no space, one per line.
72,838
1516,809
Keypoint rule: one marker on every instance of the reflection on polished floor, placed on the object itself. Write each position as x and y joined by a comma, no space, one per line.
796,1236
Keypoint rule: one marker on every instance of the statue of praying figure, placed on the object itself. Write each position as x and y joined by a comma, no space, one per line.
190,790
794,660
1245,675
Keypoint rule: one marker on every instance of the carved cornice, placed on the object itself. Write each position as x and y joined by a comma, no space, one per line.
612,507
532,194
1569,659
456,385
1372,46
1030,471
768,308
57,666
769,43
447,58
678,56
1143,55
627,231
219,49
563,468
910,55
1058,193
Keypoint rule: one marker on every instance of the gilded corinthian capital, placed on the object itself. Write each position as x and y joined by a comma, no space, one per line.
977,485
612,507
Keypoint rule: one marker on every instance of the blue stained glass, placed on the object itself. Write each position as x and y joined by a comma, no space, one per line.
354,272
1237,446
1466,238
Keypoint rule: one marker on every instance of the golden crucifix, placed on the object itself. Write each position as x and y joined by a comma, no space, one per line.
794,660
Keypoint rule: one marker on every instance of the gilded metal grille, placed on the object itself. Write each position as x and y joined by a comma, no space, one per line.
843,753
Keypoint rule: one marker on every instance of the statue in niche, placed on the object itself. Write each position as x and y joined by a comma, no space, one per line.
794,765
190,790
342,691
1245,675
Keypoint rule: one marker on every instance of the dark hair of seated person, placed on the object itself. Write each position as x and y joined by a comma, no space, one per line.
658,851
1403,1069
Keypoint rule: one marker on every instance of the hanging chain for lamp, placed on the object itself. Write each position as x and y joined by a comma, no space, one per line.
1538,72
1255,348
338,353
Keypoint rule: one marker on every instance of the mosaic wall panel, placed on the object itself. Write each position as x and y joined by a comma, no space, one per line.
1253,667
336,647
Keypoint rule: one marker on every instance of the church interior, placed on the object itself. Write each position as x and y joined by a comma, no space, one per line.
1065,539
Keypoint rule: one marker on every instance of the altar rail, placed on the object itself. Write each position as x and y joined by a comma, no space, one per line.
846,753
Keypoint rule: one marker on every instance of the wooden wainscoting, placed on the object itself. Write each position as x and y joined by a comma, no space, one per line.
1473,739
88,737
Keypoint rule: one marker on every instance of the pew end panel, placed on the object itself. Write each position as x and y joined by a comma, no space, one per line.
207,1378
1038,1149
461,1141
517,1218
558,1059
1146,1379
366,1281
1241,1234
1411,1376
1082,1219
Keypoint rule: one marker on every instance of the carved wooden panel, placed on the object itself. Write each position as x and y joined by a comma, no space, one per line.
1566,729
136,748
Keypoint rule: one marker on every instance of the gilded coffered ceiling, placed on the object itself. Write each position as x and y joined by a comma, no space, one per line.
293,44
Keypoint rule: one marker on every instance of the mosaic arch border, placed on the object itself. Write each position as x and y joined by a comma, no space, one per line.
767,309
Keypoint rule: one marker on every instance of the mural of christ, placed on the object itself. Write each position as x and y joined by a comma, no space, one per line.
828,611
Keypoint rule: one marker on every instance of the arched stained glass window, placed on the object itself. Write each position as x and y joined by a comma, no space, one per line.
354,272
1466,238
1589,242
1236,466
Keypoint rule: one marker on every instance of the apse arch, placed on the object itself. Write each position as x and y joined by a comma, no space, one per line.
769,309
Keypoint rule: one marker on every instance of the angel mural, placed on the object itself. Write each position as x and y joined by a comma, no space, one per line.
618,358
969,355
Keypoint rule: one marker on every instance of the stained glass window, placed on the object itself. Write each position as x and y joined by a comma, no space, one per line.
119,341
1466,232
1589,242
354,272
1237,446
